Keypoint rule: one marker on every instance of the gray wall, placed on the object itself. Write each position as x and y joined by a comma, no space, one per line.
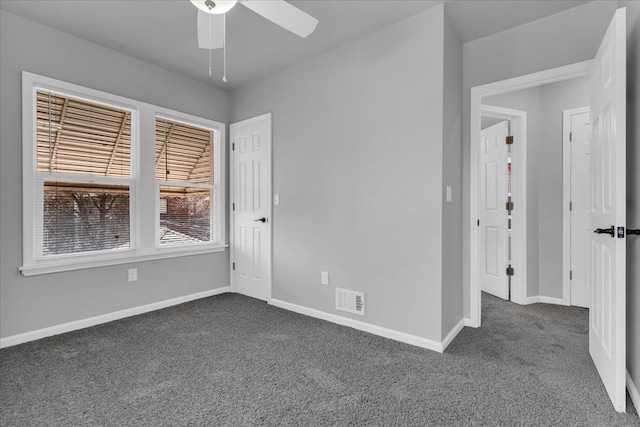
633,188
528,100
452,286
357,161
32,303
561,39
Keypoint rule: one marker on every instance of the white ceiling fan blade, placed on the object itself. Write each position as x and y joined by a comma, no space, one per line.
215,39
284,14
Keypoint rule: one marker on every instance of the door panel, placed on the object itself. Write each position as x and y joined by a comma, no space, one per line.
251,244
492,261
607,338
493,215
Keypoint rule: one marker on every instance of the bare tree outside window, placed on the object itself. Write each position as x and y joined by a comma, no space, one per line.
85,220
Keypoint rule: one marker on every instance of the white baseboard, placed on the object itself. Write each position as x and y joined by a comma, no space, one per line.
633,392
453,333
104,318
361,326
545,300
470,323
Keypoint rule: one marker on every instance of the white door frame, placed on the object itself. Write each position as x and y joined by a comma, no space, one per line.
477,94
270,198
566,199
518,120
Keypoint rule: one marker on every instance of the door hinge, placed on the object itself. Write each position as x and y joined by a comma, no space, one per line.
509,140
570,206
509,206
233,146
234,265
233,206
570,136
478,223
570,274
510,270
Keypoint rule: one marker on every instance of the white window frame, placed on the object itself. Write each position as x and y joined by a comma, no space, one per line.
142,183
217,189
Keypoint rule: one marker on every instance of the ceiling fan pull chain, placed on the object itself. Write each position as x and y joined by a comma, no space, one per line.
224,48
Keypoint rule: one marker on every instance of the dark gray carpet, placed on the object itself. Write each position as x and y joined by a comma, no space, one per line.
232,360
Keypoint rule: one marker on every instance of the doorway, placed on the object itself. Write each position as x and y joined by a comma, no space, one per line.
478,98
606,243
503,226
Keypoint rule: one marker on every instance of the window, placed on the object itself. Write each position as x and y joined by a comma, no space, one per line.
83,176
92,163
185,176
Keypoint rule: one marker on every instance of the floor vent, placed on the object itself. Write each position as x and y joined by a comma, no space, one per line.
350,301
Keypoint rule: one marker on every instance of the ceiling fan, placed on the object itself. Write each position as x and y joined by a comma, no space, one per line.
212,21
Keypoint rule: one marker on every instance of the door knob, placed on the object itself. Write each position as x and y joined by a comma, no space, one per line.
263,219
610,231
632,231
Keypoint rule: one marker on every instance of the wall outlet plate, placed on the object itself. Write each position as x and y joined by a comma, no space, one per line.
133,274
324,277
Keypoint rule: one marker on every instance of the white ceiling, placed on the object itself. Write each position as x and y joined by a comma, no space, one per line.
163,32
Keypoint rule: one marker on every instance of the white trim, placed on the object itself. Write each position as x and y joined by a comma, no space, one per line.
551,300
104,318
269,274
453,333
477,93
184,184
633,392
545,300
125,257
361,326
566,199
533,300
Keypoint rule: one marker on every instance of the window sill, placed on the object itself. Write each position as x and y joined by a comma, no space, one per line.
56,266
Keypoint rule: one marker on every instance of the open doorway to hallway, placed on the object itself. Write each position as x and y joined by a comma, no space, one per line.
607,244
532,264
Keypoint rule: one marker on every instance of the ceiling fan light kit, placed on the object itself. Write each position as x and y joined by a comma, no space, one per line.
217,7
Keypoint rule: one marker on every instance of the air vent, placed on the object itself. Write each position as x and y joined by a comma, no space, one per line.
350,301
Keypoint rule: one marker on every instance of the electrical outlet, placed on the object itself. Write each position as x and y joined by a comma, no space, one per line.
324,278
276,199
449,193
133,274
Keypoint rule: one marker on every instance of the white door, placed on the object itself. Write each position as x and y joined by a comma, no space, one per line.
581,232
608,211
493,213
251,207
